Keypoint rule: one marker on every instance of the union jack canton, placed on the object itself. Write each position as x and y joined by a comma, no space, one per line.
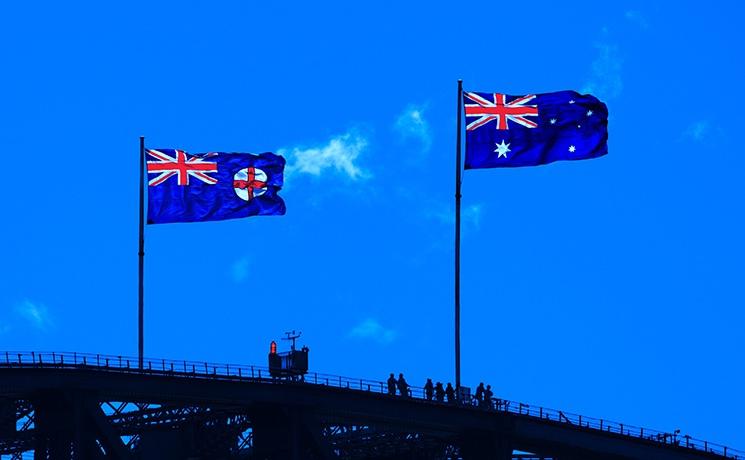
181,165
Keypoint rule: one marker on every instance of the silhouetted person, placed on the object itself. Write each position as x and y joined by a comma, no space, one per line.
391,385
450,393
439,392
480,394
488,394
403,387
429,390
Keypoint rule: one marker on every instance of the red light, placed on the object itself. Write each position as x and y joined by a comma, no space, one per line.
273,348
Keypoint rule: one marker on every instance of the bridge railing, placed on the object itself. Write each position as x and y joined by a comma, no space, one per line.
186,368
580,421
199,369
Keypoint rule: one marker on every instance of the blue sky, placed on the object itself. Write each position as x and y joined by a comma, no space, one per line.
610,287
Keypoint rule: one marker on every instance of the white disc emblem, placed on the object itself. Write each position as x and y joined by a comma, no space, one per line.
249,183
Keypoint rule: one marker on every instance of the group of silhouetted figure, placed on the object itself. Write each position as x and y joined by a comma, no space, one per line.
484,395
403,387
439,393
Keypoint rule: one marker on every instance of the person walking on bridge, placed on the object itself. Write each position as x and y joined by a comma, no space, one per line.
439,392
480,394
488,394
403,387
429,389
391,385
450,393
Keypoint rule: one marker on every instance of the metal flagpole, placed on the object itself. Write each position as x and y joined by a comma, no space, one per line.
141,253
457,238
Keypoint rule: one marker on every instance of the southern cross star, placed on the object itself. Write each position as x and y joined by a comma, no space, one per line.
572,148
552,121
589,112
502,150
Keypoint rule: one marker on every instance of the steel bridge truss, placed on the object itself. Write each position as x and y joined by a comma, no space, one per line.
66,406
70,427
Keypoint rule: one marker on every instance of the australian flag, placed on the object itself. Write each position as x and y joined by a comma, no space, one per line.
507,131
212,186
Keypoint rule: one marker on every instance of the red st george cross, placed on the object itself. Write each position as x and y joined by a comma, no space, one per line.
500,110
181,165
251,183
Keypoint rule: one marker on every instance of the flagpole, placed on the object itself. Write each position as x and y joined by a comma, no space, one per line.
141,254
457,237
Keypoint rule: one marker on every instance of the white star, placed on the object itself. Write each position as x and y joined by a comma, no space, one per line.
502,150
572,148
589,112
572,101
552,121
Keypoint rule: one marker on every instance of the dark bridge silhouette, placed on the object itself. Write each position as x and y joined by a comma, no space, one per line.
81,406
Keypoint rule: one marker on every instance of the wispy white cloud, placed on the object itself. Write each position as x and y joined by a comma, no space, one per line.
339,155
698,130
34,313
470,215
411,124
638,18
239,269
605,76
371,329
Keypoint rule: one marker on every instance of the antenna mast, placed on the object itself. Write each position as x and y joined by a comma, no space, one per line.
292,336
